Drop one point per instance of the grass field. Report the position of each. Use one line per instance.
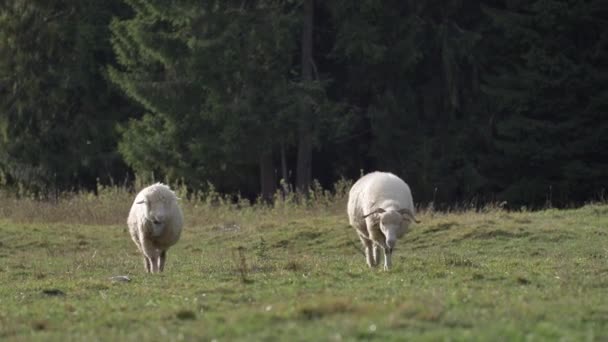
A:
(293, 273)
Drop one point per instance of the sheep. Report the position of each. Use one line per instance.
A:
(155, 224)
(380, 208)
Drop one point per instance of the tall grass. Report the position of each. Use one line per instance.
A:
(109, 205)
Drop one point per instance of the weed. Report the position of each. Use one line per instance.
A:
(292, 266)
(261, 249)
(240, 261)
(456, 261)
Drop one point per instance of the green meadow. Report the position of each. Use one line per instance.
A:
(296, 272)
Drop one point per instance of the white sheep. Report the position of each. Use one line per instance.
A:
(380, 208)
(155, 223)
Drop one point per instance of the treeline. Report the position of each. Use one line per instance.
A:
(468, 101)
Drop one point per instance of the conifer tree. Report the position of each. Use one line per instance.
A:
(57, 113)
(413, 73)
(546, 80)
(220, 88)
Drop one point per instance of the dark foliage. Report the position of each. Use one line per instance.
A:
(468, 101)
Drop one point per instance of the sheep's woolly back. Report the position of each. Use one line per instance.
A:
(158, 192)
(377, 190)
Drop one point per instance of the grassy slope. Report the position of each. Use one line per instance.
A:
(463, 276)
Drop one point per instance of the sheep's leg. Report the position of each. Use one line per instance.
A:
(151, 254)
(376, 254)
(147, 264)
(152, 261)
(367, 244)
(161, 260)
(135, 238)
(387, 259)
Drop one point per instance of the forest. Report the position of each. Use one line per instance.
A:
(468, 101)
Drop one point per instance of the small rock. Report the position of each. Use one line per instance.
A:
(121, 278)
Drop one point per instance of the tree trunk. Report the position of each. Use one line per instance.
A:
(284, 174)
(285, 181)
(267, 177)
(305, 132)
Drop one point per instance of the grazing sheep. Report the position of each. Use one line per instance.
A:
(380, 208)
(155, 223)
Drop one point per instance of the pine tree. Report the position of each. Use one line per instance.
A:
(550, 122)
(220, 86)
(413, 72)
(57, 113)
(210, 76)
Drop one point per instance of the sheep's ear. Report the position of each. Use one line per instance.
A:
(370, 214)
(140, 202)
(408, 214)
(377, 211)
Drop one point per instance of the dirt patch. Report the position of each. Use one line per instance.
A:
(548, 236)
(320, 311)
(538, 252)
(281, 244)
(40, 325)
(292, 266)
(53, 293)
(440, 227)
(523, 281)
(482, 234)
(185, 315)
(308, 235)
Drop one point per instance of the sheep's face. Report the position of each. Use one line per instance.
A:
(390, 225)
(156, 214)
